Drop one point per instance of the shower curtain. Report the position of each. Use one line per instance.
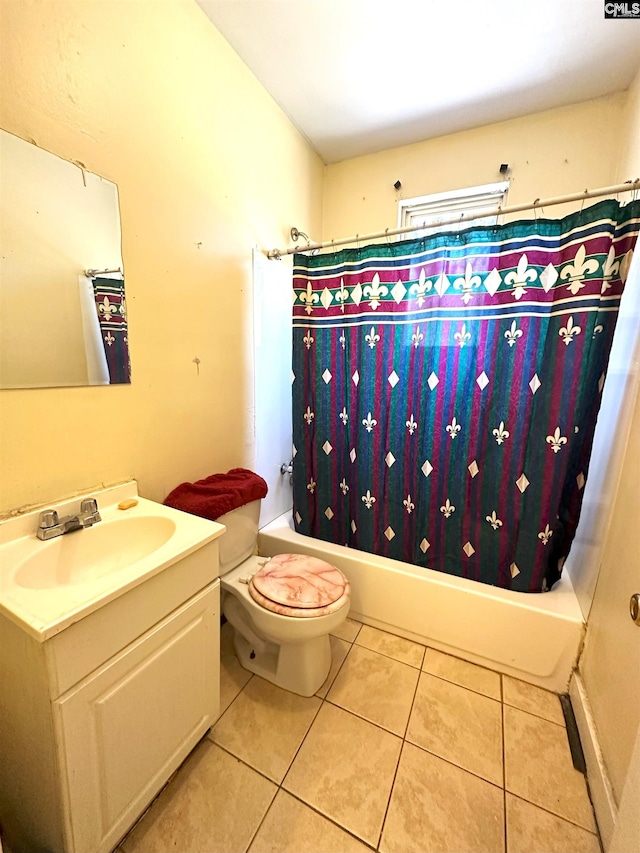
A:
(446, 390)
(112, 317)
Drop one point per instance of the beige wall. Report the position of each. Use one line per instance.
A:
(629, 164)
(150, 96)
(551, 153)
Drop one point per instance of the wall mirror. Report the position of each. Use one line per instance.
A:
(63, 315)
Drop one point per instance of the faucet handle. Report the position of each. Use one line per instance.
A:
(89, 512)
(47, 519)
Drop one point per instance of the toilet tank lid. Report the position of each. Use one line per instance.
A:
(218, 494)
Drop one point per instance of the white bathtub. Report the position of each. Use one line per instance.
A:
(534, 637)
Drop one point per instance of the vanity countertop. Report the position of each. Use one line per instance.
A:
(46, 586)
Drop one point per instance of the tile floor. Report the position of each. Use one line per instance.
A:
(403, 750)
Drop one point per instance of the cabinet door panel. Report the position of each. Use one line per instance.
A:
(128, 725)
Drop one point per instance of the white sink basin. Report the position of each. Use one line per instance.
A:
(47, 586)
(86, 555)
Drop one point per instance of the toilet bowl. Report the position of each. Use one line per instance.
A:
(282, 610)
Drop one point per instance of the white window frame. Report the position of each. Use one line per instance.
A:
(433, 209)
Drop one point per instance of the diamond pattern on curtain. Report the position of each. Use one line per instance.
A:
(446, 390)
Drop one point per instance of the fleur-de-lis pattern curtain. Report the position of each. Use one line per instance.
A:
(112, 317)
(446, 390)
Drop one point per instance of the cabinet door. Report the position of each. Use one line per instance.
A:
(126, 727)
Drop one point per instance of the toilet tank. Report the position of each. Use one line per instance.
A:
(239, 542)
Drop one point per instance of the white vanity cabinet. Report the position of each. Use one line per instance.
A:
(95, 719)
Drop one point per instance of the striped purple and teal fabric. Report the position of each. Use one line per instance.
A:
(446, 390)
(112, 318)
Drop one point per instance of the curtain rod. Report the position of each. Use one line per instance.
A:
(628, 186)
(96, 273)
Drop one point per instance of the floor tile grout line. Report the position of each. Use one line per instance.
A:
(333, 681)
(328, 817)
(246, 763)
(463, 686)
(389, 657)
(393, 784)
(453, 764)
(413, 702)
(338, 671)
(234, 699)
(338, 637)
(458, 658)
(402, 746)
(304, 737)
(537, 716)
(262, 820)
(364, 719)
(426, 647)
(554, 814)
(385, 654)
(504, 768)
(500, 676)
(424, 655)
(593, 811)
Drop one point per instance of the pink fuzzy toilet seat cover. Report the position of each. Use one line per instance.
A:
(297, 585)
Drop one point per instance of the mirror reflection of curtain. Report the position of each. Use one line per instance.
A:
(97, 368)
(112, 319)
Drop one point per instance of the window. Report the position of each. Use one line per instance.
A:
(434, 208)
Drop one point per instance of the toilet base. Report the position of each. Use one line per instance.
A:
(301, 668)
(292, 652)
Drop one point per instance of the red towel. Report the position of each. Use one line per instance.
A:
(217, 494)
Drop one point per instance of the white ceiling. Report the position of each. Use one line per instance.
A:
(358, 76)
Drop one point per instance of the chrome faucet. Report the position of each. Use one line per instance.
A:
(50, 525)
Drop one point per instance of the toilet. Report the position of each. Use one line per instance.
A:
(282, 609)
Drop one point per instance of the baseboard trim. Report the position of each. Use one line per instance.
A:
(600, 788)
